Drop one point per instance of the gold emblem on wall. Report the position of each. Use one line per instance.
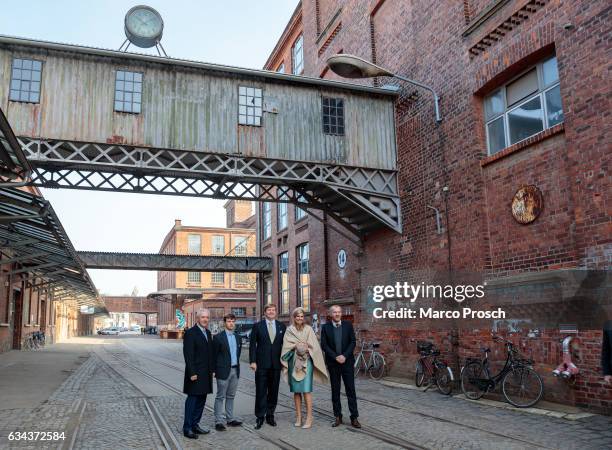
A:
(527, 204)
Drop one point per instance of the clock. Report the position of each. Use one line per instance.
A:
(143, 26)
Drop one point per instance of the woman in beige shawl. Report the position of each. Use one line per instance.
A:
(302, 360)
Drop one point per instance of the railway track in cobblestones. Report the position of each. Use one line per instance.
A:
(380, 434)
(280, 443)
(370, 431)
(161, 425)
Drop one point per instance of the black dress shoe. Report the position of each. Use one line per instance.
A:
(270, 421)
(190, 434)
(220, 427)
(337, 422)
(198, 430)
(259, 423)
(355, 423)
(234, 423)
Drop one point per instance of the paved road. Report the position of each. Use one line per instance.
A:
(126, 395)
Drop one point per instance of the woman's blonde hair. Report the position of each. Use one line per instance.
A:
(296, 311)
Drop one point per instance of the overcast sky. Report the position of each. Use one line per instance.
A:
(233, 32)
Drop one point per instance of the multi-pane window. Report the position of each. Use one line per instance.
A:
(267, 290)
(283, 282)
(241, 246)
(281, 68)
(193, 277)
(267, 220)
(218, 245)
(128, 91)
(241, 278)
(297, 54)
(525, 106)
(333, 116)
(249, 106)
(217, 278)
(239, 311)
(303, 273)
(281, 216)
(194, 244)
(25, 80)
(299, 212)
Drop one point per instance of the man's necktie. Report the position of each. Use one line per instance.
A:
(271, 331)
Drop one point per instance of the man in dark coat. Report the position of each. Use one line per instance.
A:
(606, 352)
(264, 355)
(199, 366)
(228, 346)
(338, 344)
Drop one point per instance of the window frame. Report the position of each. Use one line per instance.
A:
(132, 92)
(241, 313)
(285, 208)
(299, 213)
(238, 241)
(266, 219)
(213, 245)
(541, 92)
(246, 114)
(239, 275)
(21, 80)
(189, 236)
(191, 275)
(216, 274)
(329, 131)
(300, 39)
(299, 265)
(267, 290)
(283, 292)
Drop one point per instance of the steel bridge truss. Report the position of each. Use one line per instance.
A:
(361, 199)
(190, 263)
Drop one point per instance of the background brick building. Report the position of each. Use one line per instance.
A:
(525, 99)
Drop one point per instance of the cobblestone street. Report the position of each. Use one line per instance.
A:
(126, 394)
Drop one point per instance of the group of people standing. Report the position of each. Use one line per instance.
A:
(274, 348)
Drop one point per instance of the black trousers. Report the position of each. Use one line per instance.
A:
(194, 407)
(344, 372)
(266, 391)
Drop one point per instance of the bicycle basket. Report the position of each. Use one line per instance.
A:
(424, 346)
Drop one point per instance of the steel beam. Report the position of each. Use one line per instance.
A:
(188, 263)
(360, 198)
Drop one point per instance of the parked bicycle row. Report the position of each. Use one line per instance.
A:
(520, 384)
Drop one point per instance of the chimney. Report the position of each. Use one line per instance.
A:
(177, 223)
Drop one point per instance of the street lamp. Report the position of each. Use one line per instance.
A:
(350, 66)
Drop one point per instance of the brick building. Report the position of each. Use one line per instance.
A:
(218, 291)
(525, 100)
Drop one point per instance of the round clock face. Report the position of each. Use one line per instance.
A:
(143, 26)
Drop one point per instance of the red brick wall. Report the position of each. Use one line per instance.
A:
(425, 41)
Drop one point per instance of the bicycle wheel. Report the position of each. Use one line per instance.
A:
(522, 387)
(444, 379)
(377, 368)
(419, 374)
(473, 380)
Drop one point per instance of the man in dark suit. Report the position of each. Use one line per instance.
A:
(199, 365)
(227, 345)
(606, 351)
(338, 344)
(264, 356)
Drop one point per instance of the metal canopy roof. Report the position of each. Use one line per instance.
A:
(13, 163)
(37, 241)
(191, 263)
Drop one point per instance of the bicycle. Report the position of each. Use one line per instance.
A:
(376, 364)
(429, 369)
(34, 341)
(521, 384)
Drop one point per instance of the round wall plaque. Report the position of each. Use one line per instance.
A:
(342, 258)
(527, 204)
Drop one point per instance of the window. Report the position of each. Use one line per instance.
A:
(193, 277)
(299, 212)
(333, 116)
(218, 245)
(281, 68)
(249, 106)
(283, 282)
(303, 272)
(194, 244)
(128, 91)
(241, 245)
(217, 278)
(297, 54)
(525, 106)
(281, 212)
(267, 220)
(25, 80)
(267, 290)
(241, 278)
(239, 312)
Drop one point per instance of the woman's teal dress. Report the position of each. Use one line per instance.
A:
(299, 386)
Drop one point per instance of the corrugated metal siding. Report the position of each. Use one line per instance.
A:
(192, 110)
